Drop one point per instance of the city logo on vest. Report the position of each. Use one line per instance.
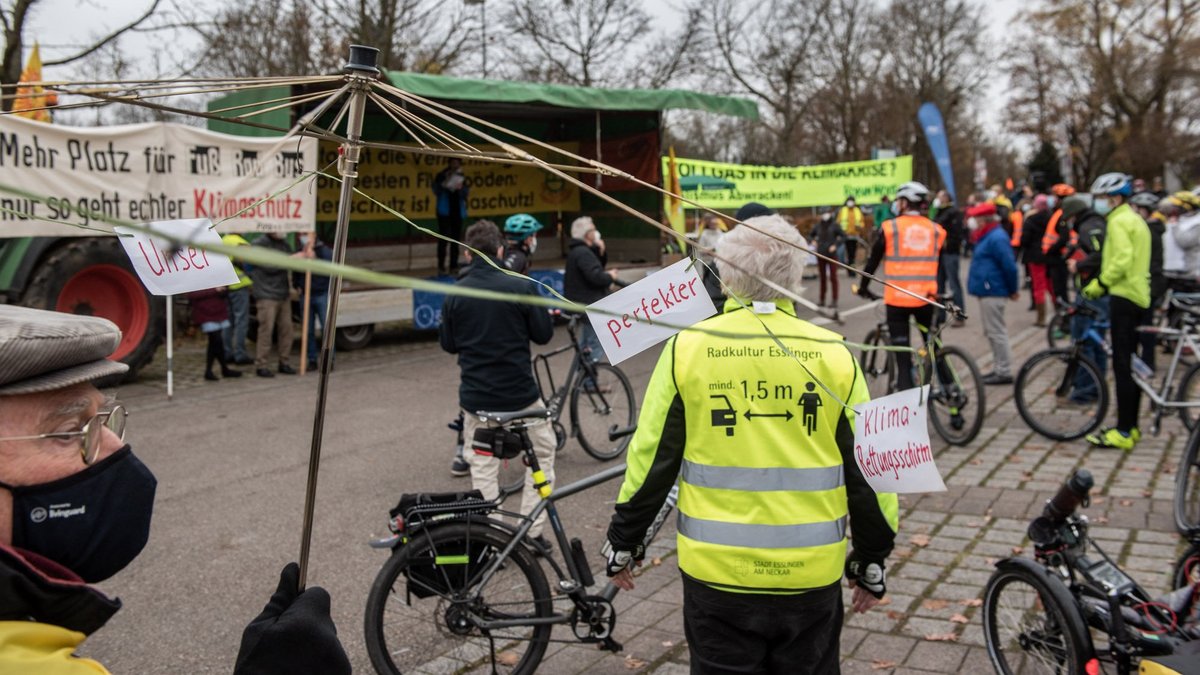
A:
(891, 443)
(38, 514)
(919, 238)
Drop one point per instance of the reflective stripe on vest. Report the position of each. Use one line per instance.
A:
(1050, 236)
(803, 535)
(914, 270)
(774, 479)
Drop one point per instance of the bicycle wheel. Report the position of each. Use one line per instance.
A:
(1050, 394)
(1058, 330)
(877, 366)
(595, 407)
(1187, 485)
(419, 608)
(957, 397)
(1189, 390)
(1187, 570)
(1030, 627)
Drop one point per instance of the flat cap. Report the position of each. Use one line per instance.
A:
(43, 351)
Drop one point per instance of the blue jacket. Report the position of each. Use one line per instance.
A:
(993, 267)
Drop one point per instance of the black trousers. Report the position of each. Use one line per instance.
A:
(449, 226)
(1125, 317)
(764, 634)
(851, 255)
(897, 321)
(1056, 269)
(1149, 341)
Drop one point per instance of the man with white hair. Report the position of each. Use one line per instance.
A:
(761, 440)
(584, 278)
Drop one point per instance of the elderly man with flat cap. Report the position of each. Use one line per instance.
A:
(76, 504)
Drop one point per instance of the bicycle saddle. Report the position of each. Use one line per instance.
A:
(506, 417)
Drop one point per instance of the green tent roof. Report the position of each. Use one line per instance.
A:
(587, 98)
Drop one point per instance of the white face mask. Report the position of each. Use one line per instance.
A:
(895, 208)
(850, 203)
(595, 236)
(972, 224)
(1101, 205)
(532, 245)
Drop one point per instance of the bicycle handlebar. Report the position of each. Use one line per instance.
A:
(1073, 493)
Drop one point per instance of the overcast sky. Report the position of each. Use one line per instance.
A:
(63, 25)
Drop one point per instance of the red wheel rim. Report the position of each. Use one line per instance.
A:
(113, 293)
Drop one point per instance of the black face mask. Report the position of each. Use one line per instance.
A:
(94, 522)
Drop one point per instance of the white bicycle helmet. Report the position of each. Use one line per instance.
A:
(1146, 200)
(914, 192)
(1113, 184)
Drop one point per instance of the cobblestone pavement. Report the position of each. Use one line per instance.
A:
(947, 546)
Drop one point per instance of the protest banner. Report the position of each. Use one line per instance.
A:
(168, 268)
(795, 186)
(403, 180)
(891, 443)
(149, 172)
(673, 295)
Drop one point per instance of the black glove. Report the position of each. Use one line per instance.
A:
(294, 633)
(617, 560)
(868, 574)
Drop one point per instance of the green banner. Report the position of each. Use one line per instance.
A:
(793, 186)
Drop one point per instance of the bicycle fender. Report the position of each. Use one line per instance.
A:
(1062, 595)
(395, 541)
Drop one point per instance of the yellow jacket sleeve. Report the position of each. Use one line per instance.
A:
(30, 647)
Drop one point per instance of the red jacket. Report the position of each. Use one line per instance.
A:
(208, 305)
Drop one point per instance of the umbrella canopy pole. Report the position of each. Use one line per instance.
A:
(360, 71)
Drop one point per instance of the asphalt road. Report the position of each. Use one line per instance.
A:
(232, 458)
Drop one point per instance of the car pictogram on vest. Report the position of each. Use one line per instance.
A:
(724, 417)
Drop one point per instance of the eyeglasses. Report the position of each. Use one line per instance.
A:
(89, 434)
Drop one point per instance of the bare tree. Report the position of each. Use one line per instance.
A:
(769, 51)
(840, 111)
(428, 36)
(589, 43)
(266, 38)
(15, 14)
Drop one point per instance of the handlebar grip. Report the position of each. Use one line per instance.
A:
(1069, 497)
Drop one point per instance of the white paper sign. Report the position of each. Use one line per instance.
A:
(891, 443)
(673, 295)
(167, 268)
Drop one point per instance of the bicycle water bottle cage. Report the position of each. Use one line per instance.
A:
(496, 442)
(426, 508)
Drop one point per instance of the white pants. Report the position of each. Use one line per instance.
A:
(485, 471)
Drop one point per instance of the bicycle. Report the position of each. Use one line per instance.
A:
(1041, 615)
(1063, 395)
(512, 473)
(957, 397)
(462, 589)
(599, 394)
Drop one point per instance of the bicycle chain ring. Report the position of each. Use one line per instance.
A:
(600, 625)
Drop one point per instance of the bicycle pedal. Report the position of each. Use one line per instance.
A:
(609, 644)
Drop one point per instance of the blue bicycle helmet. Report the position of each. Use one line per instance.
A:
(520, 226)
(1113, 184)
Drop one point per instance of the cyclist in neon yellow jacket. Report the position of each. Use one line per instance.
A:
(768, 482)
(1125, 276)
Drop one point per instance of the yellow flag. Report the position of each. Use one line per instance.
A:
(674, 206)
(33, 100)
